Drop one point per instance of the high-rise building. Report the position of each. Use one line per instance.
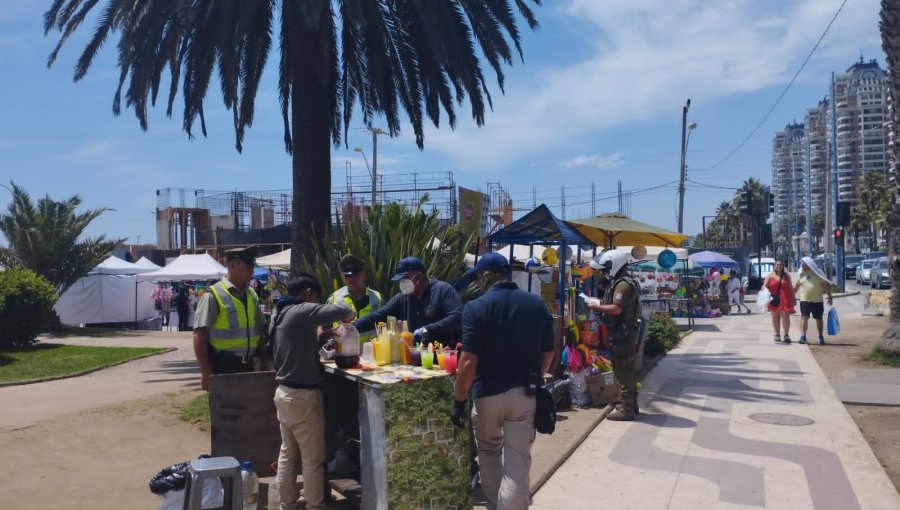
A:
(816, 139)
(861, 104)
(788, 180)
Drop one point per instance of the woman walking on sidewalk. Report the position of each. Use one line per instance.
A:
(778, 282)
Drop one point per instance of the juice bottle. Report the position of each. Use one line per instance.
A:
(384, 346)
(406, 343)
(394, 331)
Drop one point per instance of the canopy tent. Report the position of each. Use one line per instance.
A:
(115, 265)
(145, 263)
(541, 227)
(187, 268)
(708, 259)
(615, 229)
(109, 293)
(678, 268)
(281, 260)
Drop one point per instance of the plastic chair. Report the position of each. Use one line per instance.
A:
(226, 468)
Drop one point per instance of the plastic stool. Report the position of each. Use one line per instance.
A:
(226, 468)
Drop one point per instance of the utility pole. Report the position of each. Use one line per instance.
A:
(681, 180)
(562, 197)
(838, 249)
(809, 236)
(593, 200)
(375, 133)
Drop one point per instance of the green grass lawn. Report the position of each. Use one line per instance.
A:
(884, 358)
(54, 360)
(197, 412)
(67, 331)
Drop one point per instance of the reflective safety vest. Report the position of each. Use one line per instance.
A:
(342, 294)
(235, 330)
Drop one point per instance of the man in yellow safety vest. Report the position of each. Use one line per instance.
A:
(228, 322)
(354, 293)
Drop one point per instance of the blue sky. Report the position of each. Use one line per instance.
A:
(598, 99)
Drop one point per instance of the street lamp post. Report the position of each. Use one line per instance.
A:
(684, 129)
(371, 173)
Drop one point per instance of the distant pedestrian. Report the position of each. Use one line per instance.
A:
(183, 307)
(735, 291)
(778, 282)
(812, 286)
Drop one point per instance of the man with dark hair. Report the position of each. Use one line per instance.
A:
(431, 306)
(507, 343)
(228, 322)
(182, 305)
(296, 335)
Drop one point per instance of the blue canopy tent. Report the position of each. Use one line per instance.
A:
(709, 259)
(541, 227)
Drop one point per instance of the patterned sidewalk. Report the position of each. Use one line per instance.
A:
(729, 419)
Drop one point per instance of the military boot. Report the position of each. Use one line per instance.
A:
(625, 411)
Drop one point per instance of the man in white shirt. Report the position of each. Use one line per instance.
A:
(735, 291)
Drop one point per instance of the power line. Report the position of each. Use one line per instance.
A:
(781, 96)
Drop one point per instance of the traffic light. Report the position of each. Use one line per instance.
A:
(771, 197)
(839, 237)
(746, 202)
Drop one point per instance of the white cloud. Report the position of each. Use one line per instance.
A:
(647, 58)
(593, 160)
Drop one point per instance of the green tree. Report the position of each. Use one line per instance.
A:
(748, 223)
(46, 237)
(384, 57)
(874, 200)
(890, 42)
(389, 234)
(818, 230)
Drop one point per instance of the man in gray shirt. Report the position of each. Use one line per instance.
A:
(296, 337)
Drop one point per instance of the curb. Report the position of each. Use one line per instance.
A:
(85, 372)
(537, 484)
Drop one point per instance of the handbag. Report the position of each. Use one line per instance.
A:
(834, 325)
(544, 411)
(776, 298)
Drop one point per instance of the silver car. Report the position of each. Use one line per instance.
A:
(862, 273)
(880, 275)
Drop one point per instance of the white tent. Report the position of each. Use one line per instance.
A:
(115, 265)
(109, 293)
(281, 259)
(145, 263)
(187, 268)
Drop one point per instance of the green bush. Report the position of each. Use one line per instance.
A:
(662, 335)
(26, 300)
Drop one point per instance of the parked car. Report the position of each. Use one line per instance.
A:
(759, 268)
(875, 254)
(862, 274)
(851, 262)
(880, 275)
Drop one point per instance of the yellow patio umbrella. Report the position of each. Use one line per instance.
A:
(615, 229)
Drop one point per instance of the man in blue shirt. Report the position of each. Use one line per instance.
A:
(431, 306)
(507, 338)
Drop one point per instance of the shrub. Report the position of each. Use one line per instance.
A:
(662, 335)
(26, 300)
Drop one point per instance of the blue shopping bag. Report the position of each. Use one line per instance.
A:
(834, 325)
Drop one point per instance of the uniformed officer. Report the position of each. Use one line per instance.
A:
(621, 309)
(354, 293)
(228, 322)
(431, 306)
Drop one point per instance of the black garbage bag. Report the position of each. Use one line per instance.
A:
(171, 478)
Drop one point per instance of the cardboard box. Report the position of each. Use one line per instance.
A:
(603, 388)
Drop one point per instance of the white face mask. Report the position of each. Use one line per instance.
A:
(407, 286)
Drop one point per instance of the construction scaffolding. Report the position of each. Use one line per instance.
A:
(193, 220)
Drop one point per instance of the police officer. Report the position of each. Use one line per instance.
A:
(621, 309)
(507, 342)
(354, 293)
(228, 322)
(431, 306)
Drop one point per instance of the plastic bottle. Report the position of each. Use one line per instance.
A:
(249, 485)
(406, 344)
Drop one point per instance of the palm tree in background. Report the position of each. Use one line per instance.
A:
(383, 56)
(44, 237)
(874, 201)
(728, 221)
(747, 222)
(890, 42)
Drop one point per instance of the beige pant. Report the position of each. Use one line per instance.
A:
(302, 419)
(504, 432)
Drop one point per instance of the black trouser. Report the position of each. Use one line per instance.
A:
(183, 314)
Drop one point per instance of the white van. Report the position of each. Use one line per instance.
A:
(759, 268)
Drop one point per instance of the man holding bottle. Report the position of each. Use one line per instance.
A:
(430, 306)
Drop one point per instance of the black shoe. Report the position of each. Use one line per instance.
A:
(787, 339)
(777, 339)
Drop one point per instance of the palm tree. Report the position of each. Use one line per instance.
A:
(44, 238)
(890, 42)
(728, 220)
(874, 200)
(818, 227)
(748, 222)
(382, 56)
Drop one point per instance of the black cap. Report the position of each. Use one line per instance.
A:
(351, 264)
(247, 254)
(493, 262)
(407, 265)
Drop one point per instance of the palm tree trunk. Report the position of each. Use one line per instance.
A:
(890, 41)
(311, 118)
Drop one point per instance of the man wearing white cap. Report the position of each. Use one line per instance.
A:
(812, 286)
